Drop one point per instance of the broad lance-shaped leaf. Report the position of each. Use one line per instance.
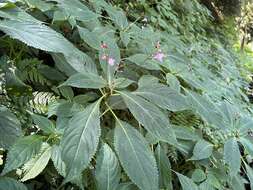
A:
(107, 171)
(85, 80)
(202, 150)
(37, 35)
(10, 128)
(232, 156)
(7, 183)
(186, 183)
(135, 156)
(150, 117)
(161, 95)
(22, 151)
(37, 164)
(80, 140)
(44, 38)
(164, 167)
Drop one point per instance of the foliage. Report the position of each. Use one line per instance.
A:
(120, 96)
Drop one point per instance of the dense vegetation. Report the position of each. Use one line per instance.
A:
(123, 95)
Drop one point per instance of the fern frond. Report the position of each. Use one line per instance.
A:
(185, 118)
(40, 101)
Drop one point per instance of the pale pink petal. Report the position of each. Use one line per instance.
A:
(159, 56)
(111, 61)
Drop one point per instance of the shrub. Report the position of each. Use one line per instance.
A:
(127, 95)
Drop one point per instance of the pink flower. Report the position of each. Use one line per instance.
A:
(103, 46)
(159, 56)
(104, 57)
(111, 61)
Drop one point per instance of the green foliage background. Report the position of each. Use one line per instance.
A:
(70, 120)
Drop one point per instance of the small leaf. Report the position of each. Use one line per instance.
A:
(37, 164)
(22, 151)
(85, 80)
(186, 183)
(135, 156)
(202, 150)
(45, 124)
(7, 183)
(232, 156)
(198, 175)
(150, 117)
(107, 171)
(80, 140)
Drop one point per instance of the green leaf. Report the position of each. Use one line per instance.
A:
(80, 140)
(249, 174)
(186, 183)
(90, 38)
(37, 35)
(62, 64)
(107, 171)
(45, 124)
(135, 156)
(247, 144)
(120, 83)
(40, 4)
(125, 38)
(67, 92)
(85, 80)
(167, 98)
(10, 128)
(127, 186)
(118, 16)
(150, 117)
(164, 167)
(17, 14)
(22, 151)
(232, 156)
(37, 164)
(202, 150)
(57, 160)
(203, 105)
(76, 9)
(237, 183)
(173, 82)
(144, 61)
(198, 175)
(206, 186)
(7, 183)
